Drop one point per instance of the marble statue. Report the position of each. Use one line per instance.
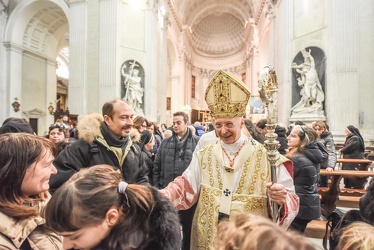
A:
(311, 91)
(134, 91)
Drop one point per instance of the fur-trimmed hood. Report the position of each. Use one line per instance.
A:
(89, 127)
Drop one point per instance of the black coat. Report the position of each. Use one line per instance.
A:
(352, 149)
(168, 164)
(148, 161)
(88, 151)
(282, 138)
(306, 175)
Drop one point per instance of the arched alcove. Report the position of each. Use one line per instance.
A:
(320, 65)
(36, 32)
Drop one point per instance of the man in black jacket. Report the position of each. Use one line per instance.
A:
(173, 157)
(104, 140)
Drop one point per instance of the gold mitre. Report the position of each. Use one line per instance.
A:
(227, 96)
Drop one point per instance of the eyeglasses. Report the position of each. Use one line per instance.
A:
(57, 125)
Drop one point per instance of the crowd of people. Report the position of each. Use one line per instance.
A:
(116, 181)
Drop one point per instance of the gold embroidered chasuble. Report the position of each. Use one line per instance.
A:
(248, 196)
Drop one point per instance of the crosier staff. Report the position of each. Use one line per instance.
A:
(268, 89)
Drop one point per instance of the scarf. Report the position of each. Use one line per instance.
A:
(112, 140)
(180, 144)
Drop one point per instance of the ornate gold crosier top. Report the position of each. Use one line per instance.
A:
(226, 95)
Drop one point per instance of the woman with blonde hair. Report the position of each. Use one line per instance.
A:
(253, 232)
(357, 236)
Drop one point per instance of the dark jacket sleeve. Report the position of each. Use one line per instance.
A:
(332, 154)
(69, 161)
(157, 167)
(143, 170)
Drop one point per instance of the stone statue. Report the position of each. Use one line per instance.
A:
(134, 91)
(311, 92)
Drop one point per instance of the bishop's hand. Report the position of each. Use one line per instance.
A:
(277, 192)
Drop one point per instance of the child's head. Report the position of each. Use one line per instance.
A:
(253, 232)
(95, 207)
(56, 132)
(357, 236)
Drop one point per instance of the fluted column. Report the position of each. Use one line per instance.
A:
(342, 74)
(109, 73)
(163, 77)
(3, 65)
(51, 90)
(283, 59)
(176, 94)
(14, 78)
(78, 56)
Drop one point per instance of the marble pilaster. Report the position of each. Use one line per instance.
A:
(342, 73)
(50, 90)
(109, 76)
(78, 56)
(13, 77)
(3, 66)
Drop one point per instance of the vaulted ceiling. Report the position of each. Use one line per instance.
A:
(217, 27)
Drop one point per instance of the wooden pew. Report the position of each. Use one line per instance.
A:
(363, 163)
(343, 197)
(330, 196)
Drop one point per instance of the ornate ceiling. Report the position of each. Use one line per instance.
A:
(217, 27)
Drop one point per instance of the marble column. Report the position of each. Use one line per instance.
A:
(342, 73)
(161, 112)
(283, 59)
(109, 71)
(78, 57)
(51, 90)
(13, 78)
(3, 65)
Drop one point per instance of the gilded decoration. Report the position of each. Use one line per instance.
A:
(226, 95)
(247, 197)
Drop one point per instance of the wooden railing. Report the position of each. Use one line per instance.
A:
(363, 163)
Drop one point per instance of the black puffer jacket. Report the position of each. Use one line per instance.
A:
(92, 150)
(306, 175)
(168, 163)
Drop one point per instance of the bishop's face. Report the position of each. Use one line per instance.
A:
(229, 129)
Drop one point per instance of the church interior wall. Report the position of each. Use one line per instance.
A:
(34, 83)
(36, 48)
(365, 35)
(170, 61)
